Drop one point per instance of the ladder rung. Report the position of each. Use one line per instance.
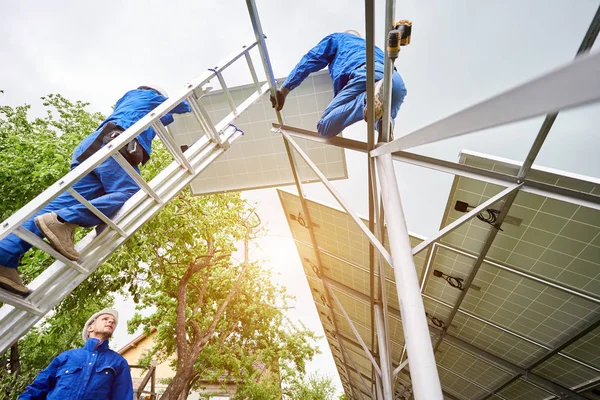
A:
(252, 70)
(34, 240)
(137, 177)
(226, 91)
(58, 280)
(19, 302)
(204, 119)
(170, 144)
(96, 212)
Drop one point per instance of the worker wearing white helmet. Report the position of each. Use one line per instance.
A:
(91, 372)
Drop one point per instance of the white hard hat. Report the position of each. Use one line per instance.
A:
(353, 32)
(155, 88)
(111, 311)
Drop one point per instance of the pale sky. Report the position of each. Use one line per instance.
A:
(462, 52)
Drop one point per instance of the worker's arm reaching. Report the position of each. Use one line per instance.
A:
(316, 59)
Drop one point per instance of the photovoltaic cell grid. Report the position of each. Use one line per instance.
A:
(552, 240)
(258, 159)
(506, 314)
(343, 250)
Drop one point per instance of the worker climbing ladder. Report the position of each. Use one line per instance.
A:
(18, 314)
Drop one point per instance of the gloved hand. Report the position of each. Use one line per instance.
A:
(281, 95)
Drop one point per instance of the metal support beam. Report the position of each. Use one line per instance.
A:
(497, 178)
(463, 219)
(376, 243)
(576, 82)
(556, 351)
(358, 337)
(371, 178)
(423, 368)
(386, 376)
(260, 40)
(528, 376)
(400, 367)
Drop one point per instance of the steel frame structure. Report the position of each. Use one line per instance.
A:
(516, 104)
(528, 100)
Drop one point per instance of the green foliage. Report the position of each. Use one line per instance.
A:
(34, 153)
(315, 387)
(184, 257)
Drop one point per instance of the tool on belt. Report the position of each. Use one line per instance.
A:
(133, 152)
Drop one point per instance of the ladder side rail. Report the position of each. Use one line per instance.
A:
(17, 322)
(26, 212)
(14, 322)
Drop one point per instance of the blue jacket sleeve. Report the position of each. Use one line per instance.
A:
(122, 387)
(44, 382)
(316, 59)
(180, 108)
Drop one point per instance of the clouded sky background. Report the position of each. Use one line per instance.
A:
(461, 52)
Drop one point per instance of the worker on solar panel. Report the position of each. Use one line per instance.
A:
(345, 55)
(107, 187)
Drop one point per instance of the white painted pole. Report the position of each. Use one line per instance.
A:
(423, 370)
(386, 377)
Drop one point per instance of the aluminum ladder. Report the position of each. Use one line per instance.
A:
(18, 314)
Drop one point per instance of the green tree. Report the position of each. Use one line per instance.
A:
(315, 387)
(34, 153)
(221, 317)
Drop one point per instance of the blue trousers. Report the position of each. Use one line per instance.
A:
(347, 107)
(107, 187)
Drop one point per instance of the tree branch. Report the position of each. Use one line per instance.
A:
(211, 329)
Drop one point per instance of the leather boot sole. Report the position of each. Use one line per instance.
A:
(54, 240)
(13, 287)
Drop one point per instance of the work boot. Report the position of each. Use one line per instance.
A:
(60, 234)
(378, 102)
(11, 281)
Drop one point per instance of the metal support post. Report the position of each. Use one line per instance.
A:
(388, 70)
(264, 54)
(386, 376)
(423, 371)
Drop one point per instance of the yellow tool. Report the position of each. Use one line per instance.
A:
(404, 26)
(399, 36)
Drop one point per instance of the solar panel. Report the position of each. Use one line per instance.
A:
(536, 290)
(258, 159)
